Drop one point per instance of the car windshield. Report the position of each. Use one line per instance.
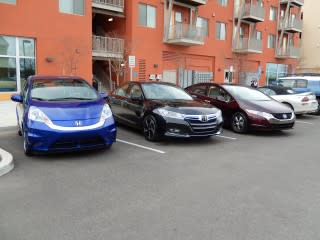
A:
(164, 92)
(245, 93)
(62, 90)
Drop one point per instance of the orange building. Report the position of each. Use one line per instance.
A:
(181, 41)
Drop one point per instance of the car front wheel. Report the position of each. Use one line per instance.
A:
(150, 128)
(239, 122)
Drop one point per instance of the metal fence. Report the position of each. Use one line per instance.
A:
(107, 45)
(186, 31)
(116, 3)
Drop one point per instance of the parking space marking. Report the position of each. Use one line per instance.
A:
(232, 138)
(140, 146)
(304, 122)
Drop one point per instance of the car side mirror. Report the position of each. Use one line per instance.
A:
(17, 98)
(103, 95)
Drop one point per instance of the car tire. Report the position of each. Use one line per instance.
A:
(150, 128)
(239, 122)
(26, 147)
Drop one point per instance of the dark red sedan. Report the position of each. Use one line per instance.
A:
(244, 108)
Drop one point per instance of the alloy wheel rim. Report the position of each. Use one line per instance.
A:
(238, 122)
(150, 128)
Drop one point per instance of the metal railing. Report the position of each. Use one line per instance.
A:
(247, 44)
(288, 52)
(299, 2)
(290, 23)
(253, 10)
(186, 32)
(107, 45)
(114, 3)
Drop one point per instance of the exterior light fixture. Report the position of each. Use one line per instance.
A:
(110, 19)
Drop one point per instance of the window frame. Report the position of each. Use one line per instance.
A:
(146, 15)
(18, 58)
(273, 15)
(7, 2)
(73, 13)
(225, 31)
(273, 45)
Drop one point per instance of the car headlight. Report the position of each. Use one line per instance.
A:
(219, 116)
(35, 114)
(268, 116)
(105, 113)
(165, 113)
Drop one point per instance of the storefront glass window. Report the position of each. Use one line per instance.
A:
(17, 62)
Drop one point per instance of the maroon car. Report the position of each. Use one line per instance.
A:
(244, 108)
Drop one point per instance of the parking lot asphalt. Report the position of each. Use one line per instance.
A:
(256, 186)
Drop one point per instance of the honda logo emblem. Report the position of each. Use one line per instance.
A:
(77, 123)
(284, 116)
(204, 118)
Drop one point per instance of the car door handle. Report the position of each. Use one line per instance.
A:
(207, 101)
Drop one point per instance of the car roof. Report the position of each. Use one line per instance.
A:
(52, 77)
(316, 78)
(150, 82)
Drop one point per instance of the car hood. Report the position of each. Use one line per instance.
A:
(189, 107)
(68, 111)
(270, 106)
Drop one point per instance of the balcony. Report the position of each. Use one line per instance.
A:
(186, 35)
(252, 12)
(298, 3)
(106, 47)
(107, 6)
(193, 2)
(288, 52)
(291, 25)
(246, 45)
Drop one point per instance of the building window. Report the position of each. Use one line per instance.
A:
(8, 1)
(223, 3)
(72, 6)
(273, 14)
(17, 62)
(203, 24)
(221, 29)
(147, 15)
(271, 41)
(258, 35)
(274, 71)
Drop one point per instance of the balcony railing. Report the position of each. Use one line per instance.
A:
(288, 52)
(193, 2)
(247, 45)
(186, 34)
(298, 3)
(291, 25)
(107, 47)
(253, 12)
(113, 5)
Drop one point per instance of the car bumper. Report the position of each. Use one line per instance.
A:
(185, 129)
(309, 107)
(259, 123)
(43, 139)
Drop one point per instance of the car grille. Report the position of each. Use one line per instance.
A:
(85, 142)
(199, 126)
(282, 115)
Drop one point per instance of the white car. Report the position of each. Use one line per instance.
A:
(301, 103)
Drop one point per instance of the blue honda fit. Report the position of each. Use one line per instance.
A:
(63, 113)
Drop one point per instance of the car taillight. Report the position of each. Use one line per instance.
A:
(305, 99)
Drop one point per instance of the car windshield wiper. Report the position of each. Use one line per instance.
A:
(39, 99)
(69, 98)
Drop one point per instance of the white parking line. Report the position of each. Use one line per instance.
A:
(304, 122)
(140, 146)
(226, 137)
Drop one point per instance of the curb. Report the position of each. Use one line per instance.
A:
(6, 162)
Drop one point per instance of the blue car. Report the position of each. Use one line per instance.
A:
(60, 114)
